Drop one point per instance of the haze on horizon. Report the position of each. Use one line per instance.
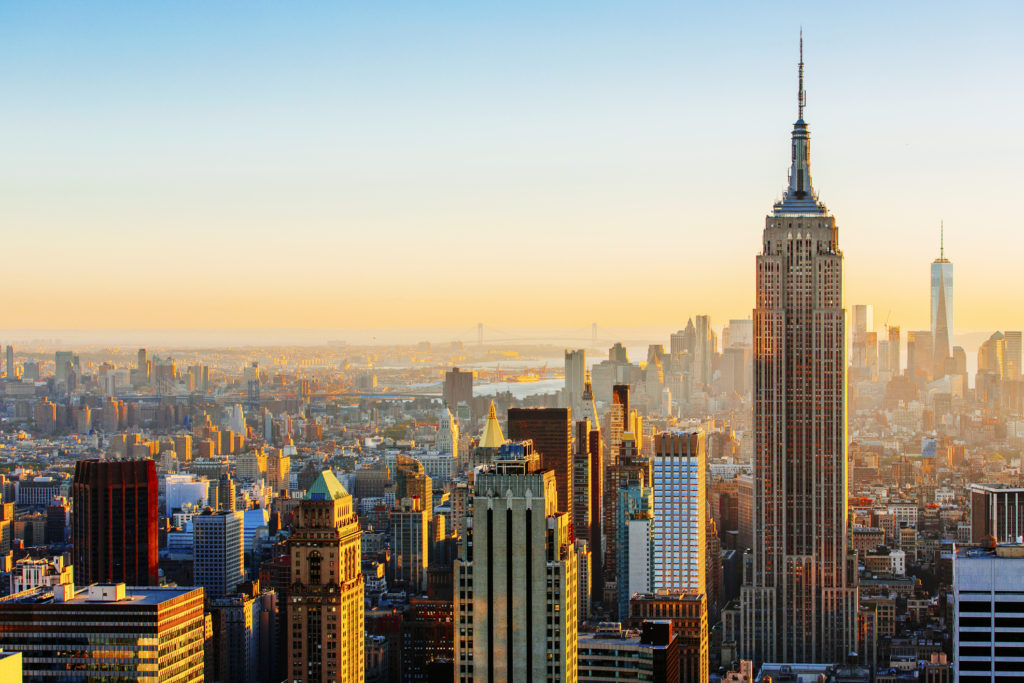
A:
(256, 165)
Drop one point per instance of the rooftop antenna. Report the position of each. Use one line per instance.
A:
(942, 241)
(801, 95)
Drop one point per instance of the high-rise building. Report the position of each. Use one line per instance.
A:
(550, 430)
(618, 420)
(988, 599)
(635, 542)
(920, 354)
(688, 613)
(628, 466)
(225, 492)
(997, 510)
(106, 632)
(895, 351)
(447, 439)
(411, 481)
(941, 308)
(458, 388)
(582, 481)
(11, 374)
(114, 522)
(516, 605)
(575, 372)
(799, 599)
(324, 631)
(863, 320)
(409, 534)
(588, 409)
(1012, 354)
(679, 513)
(611, 654)
(704, 352)
(217, 552)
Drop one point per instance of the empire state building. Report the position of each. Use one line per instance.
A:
(799, 599)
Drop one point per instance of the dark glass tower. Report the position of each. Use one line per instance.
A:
(114, 522)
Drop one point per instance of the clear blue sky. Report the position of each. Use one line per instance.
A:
(389, 164)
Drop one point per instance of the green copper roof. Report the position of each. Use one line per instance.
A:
(326, 487)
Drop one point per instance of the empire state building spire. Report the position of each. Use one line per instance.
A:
(799, 601)
(800, 198)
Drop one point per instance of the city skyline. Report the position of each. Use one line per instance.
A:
(296, 176)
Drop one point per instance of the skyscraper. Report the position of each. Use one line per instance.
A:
(799, 602)
(447, 440)
(941, 308)
(325, 606)
(217, 552)
(551, 433)
(458, 388)
(114, 523)
(679, 513)
(517, 577)
(409, 524)
(1012, 354)
(575, 371)
(703, 352)
(106, 632)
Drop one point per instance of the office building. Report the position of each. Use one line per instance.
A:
(35, 572)
(895, 351)
(428, 637)
(225, 497)
(679, 513)
(11, 373)
(324, 631)
(114, 522)
(997, 510)
(184, 489)
(941, 308)
(246, 644)
(217, 552)
(863, 320)
(612, 654)
(628, 466)
(447, 440)
(575, 374)
(635, 540)
(409, 534)
(411, 481)
(106, 632)
(920, 354)
(704, 349)
(551, 432)
(688, 614)
(516, 604)
(988, 600)
(458, 388)
(1012, 354)
(799, 603)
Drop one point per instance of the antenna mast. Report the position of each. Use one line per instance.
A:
(801, 95)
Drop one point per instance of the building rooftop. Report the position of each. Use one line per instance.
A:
(90, 595)
(492, 438)
(326, 487)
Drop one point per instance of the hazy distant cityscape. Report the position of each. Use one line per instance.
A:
(826, 486)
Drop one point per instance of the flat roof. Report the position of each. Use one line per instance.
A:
(134, 596)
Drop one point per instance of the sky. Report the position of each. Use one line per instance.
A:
(196, 165)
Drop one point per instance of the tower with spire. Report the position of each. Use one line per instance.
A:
(942, 306)
(799, 598)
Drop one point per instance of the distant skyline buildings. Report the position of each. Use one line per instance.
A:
(941, 307)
